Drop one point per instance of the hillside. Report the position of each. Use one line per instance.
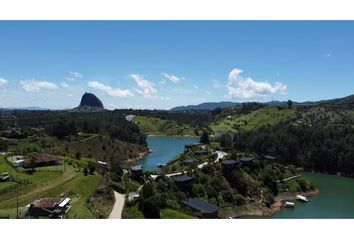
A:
(266, 115)
(158, 126)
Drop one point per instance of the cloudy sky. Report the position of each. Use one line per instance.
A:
(165, 64)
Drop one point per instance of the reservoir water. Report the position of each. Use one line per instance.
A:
(335, 200)
(165, 149)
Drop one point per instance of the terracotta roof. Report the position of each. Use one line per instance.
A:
(46, 202)
(42, 158)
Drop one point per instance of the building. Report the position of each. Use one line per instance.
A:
(49, 207)
(136, 170)
(229, 164)
(188, 161)
(184, 180)
(41, 160)
(5, 177)
(246, 160)
(190, 146)
(206, 209)
(201, 152)
(270, 158)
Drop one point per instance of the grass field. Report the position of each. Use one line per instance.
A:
(71, 184)
(157, 126)
(168, 213)
(263, 116)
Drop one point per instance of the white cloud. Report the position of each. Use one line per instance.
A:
(326, 55)
(173, 78)
(208, 93)
(73, 76)
(165, 98)
(146, 88)
(114, 92)
(217, 84)
(36, 86)
(247, 88)
(3, 82)
(64, 85)
(195, 86)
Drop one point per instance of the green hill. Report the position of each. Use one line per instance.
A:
(158, 126)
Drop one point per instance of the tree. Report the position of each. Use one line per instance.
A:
(78, 155)
(3, 145)
(85, 171)
(148, 190)
(151, 209)
(204, 138)
(289, 103)
(91, 167)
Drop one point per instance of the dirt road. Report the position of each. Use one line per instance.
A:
(118, 206)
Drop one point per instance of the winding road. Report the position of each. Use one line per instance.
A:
(118, 206)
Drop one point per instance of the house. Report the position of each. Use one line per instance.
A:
(184, 180)
(188, 161)
(206, 209)
(201, 152)
(5, 177)
(133, 197)
(246, 160)
(189, 146)
(136, 170)
(49, 207)
(269, 157)
(41, 160)
(229, 164)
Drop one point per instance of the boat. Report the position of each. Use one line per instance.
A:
(302, 198)
(289, 204)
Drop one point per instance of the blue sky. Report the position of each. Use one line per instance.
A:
(162, 64)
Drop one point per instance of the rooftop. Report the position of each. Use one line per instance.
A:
(200, 205)
(42, 158)
(136, 168)
(246, 159)
(230, 162)
(46, 202)
(269, 157)
(184, 178)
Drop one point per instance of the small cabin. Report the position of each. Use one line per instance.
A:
(4, 178)
(230, 164)
(136, 170)
(192, 145)
(246, 160)
(41, 160)
(188, 161)
(184, 180)
(206, 209)
(49, 207)
(201, 152)
(270, 158)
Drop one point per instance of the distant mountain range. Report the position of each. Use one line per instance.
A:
(214, 105)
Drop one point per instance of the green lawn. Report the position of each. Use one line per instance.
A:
(49, 184)
(263, 116)
(4, 185)
(157, 126)
(168, 213)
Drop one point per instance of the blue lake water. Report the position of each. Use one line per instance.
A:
(165, 149)
(335, 199)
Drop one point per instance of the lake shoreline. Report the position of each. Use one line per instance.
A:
(277, 206)
(161, 135)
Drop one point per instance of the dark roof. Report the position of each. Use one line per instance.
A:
(42, 158)
(183, 178)
(201, 152)
(46, 202)
(229, 162)
(269, 157)
(200, 205)
(246, 159)
(192, 144)
(189, 161)
(136, 168)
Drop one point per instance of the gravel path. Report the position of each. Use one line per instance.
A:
(118, 206)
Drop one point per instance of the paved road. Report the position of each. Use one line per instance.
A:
(118, 206)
